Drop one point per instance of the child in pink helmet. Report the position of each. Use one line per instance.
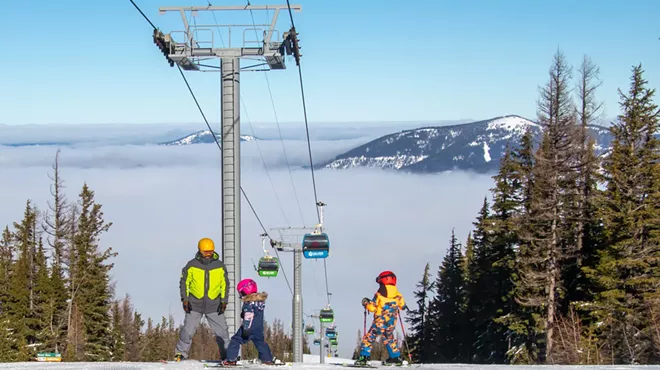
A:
(252, 328)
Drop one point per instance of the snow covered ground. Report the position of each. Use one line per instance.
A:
(310, 362)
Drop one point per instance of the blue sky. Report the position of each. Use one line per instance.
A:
(94, 62)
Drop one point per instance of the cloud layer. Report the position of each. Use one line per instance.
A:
(162, 200)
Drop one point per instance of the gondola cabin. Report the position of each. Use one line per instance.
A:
(334, 342)
(327, 315)
(331, 333)
(317, 342)
(309, 330)
(316, 245)
(268, 266)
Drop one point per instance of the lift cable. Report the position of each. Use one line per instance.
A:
(207, 123)
(309, 149)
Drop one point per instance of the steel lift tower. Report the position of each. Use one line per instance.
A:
(187, 53)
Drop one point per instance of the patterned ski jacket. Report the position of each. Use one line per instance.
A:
(386, 301)
(252, 312)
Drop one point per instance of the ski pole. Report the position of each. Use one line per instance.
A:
(403, 330)
(364, 329)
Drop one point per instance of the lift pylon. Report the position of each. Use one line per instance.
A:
(188, 48)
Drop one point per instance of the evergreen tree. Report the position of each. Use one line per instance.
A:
(56, 225)
(94, 297)
(43, 311)
(419, 337)
(446, 310)
(628, 272)
(476, 283)
(554, 184)
(118, 344)
(498, 257)
(20, 305)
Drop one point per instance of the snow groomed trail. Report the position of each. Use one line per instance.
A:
(311, 362)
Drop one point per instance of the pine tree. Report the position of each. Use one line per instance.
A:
(118, 344)
(476, 283)
(521, 336)
(420, 329)
(20, 304)
(553, 186)
(94, 297)
(498, 262)
(628, 272)
(6, 264)
(43, 310)
(446, 310)
(56, 225)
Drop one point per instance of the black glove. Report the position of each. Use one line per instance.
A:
(222, 307)
(187, 306)
(365, 301)
(405, 308)
(245, 333)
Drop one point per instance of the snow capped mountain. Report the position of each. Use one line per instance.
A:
(202, 137)
(475, 146)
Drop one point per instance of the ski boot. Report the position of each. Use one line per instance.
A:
(274, 361)
(363, 361)
(229, 363)
(178, 357)
(393, 361)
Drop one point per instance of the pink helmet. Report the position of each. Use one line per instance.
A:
(246, 286)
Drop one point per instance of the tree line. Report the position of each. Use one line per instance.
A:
(562, 265)
(56, 294)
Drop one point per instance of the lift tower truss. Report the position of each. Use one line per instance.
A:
(188, 53)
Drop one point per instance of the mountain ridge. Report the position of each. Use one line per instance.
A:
(475, 146)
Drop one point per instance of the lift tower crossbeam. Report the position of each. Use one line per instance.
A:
(188, 53)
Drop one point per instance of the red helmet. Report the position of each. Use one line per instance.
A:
(386, 278)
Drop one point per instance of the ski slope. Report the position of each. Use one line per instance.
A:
(311, 362)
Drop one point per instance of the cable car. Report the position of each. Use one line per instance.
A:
(309, 330)
(331, 333)
(317, 342)
(316, 245)
(333, 342)
(327, 315)
(268, 266)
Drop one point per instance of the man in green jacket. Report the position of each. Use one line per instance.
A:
(204, 288)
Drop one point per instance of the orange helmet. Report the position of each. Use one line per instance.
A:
(386, 278)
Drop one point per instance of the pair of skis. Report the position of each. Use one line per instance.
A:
(218, 363)
(370, 366)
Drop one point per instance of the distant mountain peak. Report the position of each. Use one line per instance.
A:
(475, 146)
(202, 137)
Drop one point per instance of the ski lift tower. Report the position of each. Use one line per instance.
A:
(196, 44)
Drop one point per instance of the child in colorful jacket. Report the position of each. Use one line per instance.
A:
(385, 306)
(252, 327)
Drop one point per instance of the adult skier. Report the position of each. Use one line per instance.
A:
(204, 288)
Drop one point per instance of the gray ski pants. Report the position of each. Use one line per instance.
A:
(218, 325)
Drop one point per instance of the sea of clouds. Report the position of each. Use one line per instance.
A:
(163, 199)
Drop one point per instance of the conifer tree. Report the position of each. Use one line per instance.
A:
(628, 271)
(580, 222)
(420, 329)
(20, 305)
(94, 297)
(553, 176)
(498, 262)
(56, 225)
(446, 310)
(476, 283)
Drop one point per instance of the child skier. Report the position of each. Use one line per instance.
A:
(252, 328)
(385, 306)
